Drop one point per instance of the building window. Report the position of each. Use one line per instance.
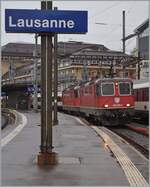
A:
(61, 65)
(126, 74)
(66, 64)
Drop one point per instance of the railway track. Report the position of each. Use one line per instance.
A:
(139, 128)
(142, 121)
(7, 119)
(138, 140)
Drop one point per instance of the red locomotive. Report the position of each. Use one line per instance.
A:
(109, 101)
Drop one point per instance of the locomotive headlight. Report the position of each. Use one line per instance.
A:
(106, 106)
(128, 105)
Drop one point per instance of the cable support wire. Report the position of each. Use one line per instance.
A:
(104, 10)
(112, 24)
(130, 41)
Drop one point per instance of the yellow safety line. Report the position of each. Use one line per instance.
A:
(133, 175)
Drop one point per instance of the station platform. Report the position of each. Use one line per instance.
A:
(84, 160)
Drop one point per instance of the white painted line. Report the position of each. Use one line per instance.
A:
(133, 175)
(80, 121)
(16, 131)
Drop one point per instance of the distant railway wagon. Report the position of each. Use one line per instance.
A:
(59, 100)
(141, 93)
(108, 101)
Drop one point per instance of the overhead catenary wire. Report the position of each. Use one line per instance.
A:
(112, 28)
(130, 41)
(112, 24)
(105, 9)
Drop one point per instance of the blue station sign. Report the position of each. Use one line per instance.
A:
(45, 21)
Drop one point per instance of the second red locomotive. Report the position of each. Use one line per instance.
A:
(109, 101)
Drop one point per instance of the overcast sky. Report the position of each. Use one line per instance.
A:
(108, 12)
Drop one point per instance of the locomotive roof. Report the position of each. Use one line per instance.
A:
(95, 81)
(141, 81)
(141, 84)
(112, 79)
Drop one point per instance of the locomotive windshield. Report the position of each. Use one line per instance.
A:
(107, 89)
(124, 88)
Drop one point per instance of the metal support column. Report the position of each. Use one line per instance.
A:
(44, 98)
(55, 78)
(46, 156)
(49, 109)
(123, 39)
(138, 38)
(43, 90)
(35, 82)
(111, 70)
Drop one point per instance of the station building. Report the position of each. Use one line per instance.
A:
(15, 55)
(94, 62)
(76, 61)
(143, 46)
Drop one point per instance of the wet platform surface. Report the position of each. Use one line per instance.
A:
(83, 158)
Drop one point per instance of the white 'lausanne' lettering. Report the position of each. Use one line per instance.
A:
(10, 22)
(37, 23)
(20, 23)
(28, 23)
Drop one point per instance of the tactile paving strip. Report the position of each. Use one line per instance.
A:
(133, 175)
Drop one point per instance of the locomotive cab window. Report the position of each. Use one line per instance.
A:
(107, 89)
(124, 88)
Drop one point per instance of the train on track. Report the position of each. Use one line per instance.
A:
(141, 93)
(107, 101)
